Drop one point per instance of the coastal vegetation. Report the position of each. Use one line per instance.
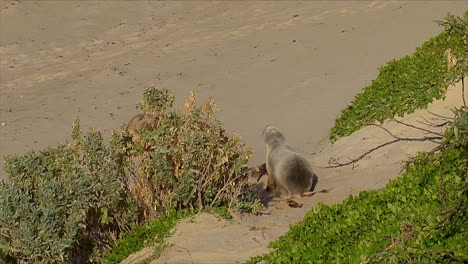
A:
(420, 217)
(83, 200)
(409, 83)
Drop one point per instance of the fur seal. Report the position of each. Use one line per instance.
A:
(142, 121)
(286, 168)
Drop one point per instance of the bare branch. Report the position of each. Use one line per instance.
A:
(383, 128)
(431, 124)
(458, 203)
(440, 116)
(397, 139)
(463, 90)
(262, 171)
(418, 128)
(224, 187)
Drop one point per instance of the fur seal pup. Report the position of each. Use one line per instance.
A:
(142, 121)
(285, 167)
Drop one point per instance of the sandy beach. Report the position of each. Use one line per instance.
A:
(290, 64)
(206, 238)
(294, 65)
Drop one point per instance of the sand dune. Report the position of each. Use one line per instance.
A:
(291, 64)
(207, 239)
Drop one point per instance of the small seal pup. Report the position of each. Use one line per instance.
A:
(285, 167)
(142, 121)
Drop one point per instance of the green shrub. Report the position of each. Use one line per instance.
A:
(188, 162)
(67, 204)
(61, 203)
(411, 82)
(6, 259)
(420, 217)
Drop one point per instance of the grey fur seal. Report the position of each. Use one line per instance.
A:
(285, 167)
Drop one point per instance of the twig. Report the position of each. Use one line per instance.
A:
(187, 252)
(261, 171)
(256, 228)
(390, 247)
(418, 128)
(441, 116)
(378, 147)
(384, 129)
(407, 139)
(457, 205)
(463, 90)
(445, 252)
(396, 139)
(224, 187)
(431, 124)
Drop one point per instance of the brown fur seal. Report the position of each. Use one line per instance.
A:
(286, 168)
(142, 121)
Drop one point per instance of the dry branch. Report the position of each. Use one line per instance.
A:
(439, 116)
(396, 139)
(431, 124)
(337, 165)
(463, 90)
(419, 128)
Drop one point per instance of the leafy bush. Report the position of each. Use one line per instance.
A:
(411, 82)
(61, 203)
(420, 217)
(188, 161)
(67, 204)
(6, 259)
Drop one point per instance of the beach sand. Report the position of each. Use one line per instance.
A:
(294, 65)
(205, 238)
(290, 64)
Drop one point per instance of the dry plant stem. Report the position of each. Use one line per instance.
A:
(446, 252)
(224, 187)
(419, 128)
(378, 147)
(463, 90)
(431, 124)
(390, 247)
(188, 252)
(457, 205)
(261, 171)
(396, 139)
(440, 116)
